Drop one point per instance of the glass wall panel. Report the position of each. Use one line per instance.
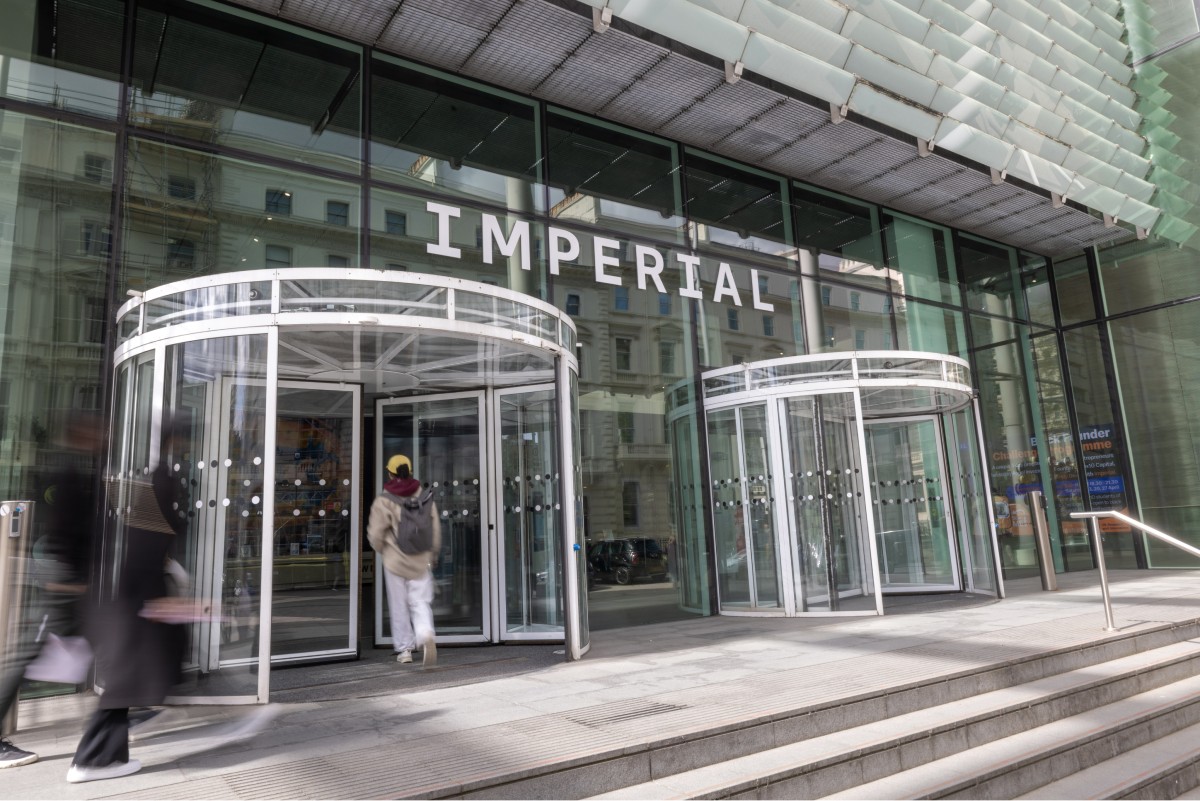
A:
(444, 134)
(851, 319)
(920, 255)
(828, 223)
(971, 497)
(1101, 444)
(733, 208)
(634, 340)
(190, 214)
(1069, 536)
(63, 53)
(688, 551)
(1073, 286)
(55, 241)
(1035, 279)
(1010, 439)
(226, 77)
(613, 178)
(990, 275)
(491, 247)
(1158, 371)
(1137, 274)
(921, 326)
(748, 314)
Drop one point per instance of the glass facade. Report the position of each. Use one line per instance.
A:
(303, 150)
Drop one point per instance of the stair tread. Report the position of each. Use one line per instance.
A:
(747, 771)
(943, 775)
(1127, 770)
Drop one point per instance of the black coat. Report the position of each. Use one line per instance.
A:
(137, 659)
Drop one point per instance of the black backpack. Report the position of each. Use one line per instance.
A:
(414, 532)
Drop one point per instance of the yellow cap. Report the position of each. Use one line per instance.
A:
(396, 462)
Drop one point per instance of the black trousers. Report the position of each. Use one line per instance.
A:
(105, 741)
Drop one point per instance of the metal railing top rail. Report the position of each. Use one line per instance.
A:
(1093, 519)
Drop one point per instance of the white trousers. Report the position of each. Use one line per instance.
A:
(409, 608)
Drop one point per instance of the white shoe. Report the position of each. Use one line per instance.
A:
(404, 657)
(430, 651)
(77, 774)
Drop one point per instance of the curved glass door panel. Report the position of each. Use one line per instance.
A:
(530, 539)
(314, 597)
(760, 505)
(825, 488)
(913, 530)
(197, 412)
(972, 497)
(443, 438)
(729, 522)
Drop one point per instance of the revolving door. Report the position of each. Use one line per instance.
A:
(837, 480)
(250, 393)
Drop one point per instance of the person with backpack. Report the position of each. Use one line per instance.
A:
(405, 532)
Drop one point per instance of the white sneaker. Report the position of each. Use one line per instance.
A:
(430, 651)
(404, 657)
(77, 774)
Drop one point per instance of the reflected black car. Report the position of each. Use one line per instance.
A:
(625, 560)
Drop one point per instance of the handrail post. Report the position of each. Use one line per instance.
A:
(1098, 549)
(1041, 530)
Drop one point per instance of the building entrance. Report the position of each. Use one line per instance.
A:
(837, 480)
(241, 407)
(491, 459)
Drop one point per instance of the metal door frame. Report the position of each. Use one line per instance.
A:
(496, 533)
(486, 512)
(356, 516)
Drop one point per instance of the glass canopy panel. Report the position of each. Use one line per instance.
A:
(455, 136)
(208, 303)
(346, 295)
(613, 178)
(733, 208)
(222, 76)
(63, 53)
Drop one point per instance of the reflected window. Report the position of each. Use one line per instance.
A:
(826, 295)
(181, 254)
(278, 256)
(97, 169)
(629, 502)
(624, 354)
(181, 187)
(768, 325)
(666, 358)
(855, 301)
(664, 303)
(93, 322)
(625, 427)
(278, 202)
(337, 212)
(395, 223)
(94, 238)
(337, 261)
(572, 304)
(621, 298)
(732, 319)
(860, 339)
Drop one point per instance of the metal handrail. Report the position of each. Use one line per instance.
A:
(1093, 519)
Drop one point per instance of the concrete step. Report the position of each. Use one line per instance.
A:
(832, 762)
(673, 738)
(1168, 767)
(1021, 763)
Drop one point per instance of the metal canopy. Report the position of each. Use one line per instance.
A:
(550, 51)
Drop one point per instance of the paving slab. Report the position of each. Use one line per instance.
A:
(366, 729)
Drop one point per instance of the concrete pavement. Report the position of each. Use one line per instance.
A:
(375, 729)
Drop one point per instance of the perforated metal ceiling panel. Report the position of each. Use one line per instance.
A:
(548, 49)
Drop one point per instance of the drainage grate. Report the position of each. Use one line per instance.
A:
(628, 710)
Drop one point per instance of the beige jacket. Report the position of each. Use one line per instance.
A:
(385, 516)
